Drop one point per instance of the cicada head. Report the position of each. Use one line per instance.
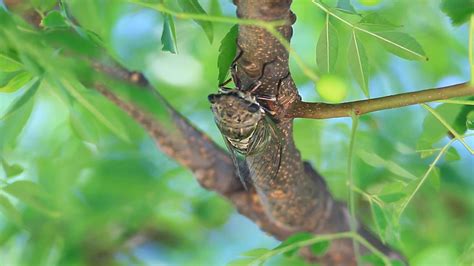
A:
(237, 113)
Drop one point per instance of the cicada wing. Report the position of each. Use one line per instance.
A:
(235, 161)
(277, 137)
(264, 152)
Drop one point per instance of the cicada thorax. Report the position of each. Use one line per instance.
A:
(238, 116)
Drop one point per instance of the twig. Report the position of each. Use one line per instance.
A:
(324, 110)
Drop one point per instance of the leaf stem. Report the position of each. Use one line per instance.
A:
(432, 165)
(471, 48)
(422, 180)
(352, 207)
(321, 238)
(448, 126)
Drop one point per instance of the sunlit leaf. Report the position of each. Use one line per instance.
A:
(374, 22)
(392, 192)
(168, 37)
(22, 99)
(375, 160)
(31, 194)
(470, 120)
(391, 197)
(346, 6)
(380, 219)
(9, 210)
(434, 131)
(327, 48)
(78, 92)
(193, 6)
(452, 155)
(358, 63)
(54, 19)
(8, 64)
(400, 44)
(17, 82)
(435, 178)
(11, 170)
(242, 262)
(227, 51)
(255, 252)
(79, 120)
(215, 8)
(458, 10)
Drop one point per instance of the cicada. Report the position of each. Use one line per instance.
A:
(247, 128)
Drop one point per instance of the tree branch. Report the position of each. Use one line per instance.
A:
(301, 109)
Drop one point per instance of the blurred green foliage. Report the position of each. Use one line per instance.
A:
(82, 183)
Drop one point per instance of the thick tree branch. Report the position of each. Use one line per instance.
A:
(301, 109)
(297, 197)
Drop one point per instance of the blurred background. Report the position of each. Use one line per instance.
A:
(77, 189)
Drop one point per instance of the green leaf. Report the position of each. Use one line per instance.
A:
(380, 219)
(327, 48)
(434, 131)
(31, 194)
(346, 6)
(391, 197)
(435, 178)
(376, 161)
(8, 64)
(54, 19)
(470, 120)
(400, 44)
(168, 37)
(23, 99)
(215, 8)
(17, 82)
(11, 170)
(458, 10)
(83, 97)
(397, 263)
(227, 51)
(375, 22)
(298, 237)
(372, 260)
(392, 192)
(79, 120)
(319, 249)
(242, 262)
(9, 210)
(358, 63)
(193, 6)
(452, 155)
(256, 252)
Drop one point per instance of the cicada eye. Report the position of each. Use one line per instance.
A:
(253, 108)
(213, 97)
